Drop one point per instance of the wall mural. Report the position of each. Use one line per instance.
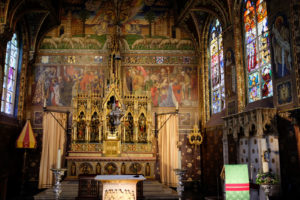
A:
(58, 83)
(281, 47)
(168, 85)
(88, 26)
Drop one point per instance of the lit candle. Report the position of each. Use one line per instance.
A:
(179, 159)
(176, 105)
(45, 102)
(58, 163)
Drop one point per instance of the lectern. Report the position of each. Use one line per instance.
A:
(119, 186)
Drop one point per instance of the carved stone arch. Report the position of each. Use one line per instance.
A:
(12, 12)
(222, 18)
(142, 111)
(129, 110)
(81, 109)
(95, 110)
(205, 69)
(241, 132)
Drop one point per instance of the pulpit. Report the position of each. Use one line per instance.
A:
(119, 186)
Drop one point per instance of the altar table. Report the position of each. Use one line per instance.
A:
(119, 187)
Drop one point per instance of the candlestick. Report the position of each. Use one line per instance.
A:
(58, 163)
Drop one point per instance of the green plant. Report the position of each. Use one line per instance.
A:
(266, 178)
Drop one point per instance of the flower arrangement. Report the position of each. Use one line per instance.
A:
(266, 178)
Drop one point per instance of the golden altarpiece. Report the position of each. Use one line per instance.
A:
(111, 130)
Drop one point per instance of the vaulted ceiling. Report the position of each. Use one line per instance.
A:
(43, 15)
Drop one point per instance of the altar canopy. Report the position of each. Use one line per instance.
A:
(54, 138)
(168, 151)
(237, 182)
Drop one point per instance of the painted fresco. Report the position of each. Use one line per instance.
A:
(57, 84)
(284, 93)
(281, 47)
(167, 85)
(89, 25)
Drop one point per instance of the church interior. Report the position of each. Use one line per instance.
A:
(171, 90)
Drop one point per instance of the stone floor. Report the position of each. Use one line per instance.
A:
(153, 190)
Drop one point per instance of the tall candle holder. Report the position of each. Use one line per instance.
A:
(58, 173)
(180, 186)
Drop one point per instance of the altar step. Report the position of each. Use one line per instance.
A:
(152, 190)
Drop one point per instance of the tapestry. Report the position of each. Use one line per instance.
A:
(237, 182)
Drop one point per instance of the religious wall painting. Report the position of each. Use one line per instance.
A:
(92, 22)
(230, 73)
(38, 118)
(184, 119)
(284, 93)
(57, 84)
(168, 85)
(282, 58)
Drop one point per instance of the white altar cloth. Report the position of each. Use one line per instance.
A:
(119, 187)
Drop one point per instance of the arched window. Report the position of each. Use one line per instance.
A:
(258, 60)
(216, 68)
(10, 76)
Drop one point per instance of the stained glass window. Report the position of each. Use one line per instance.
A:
(216, 67)
(10, 75)
(257, 44)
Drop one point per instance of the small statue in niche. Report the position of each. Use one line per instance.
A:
(95, 127)
(73, 169)
(142, 128)
(147, 170)
(81, 126)
(98, 169)
(123, 168)
(129, 128)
